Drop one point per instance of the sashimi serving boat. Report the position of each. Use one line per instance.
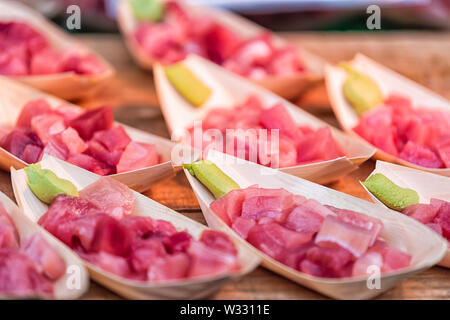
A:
(15, 95)
(428, 186)
(70, 285)
(288, 86)
(185, 288)
(399, 231)
(228, 90)
(67, 85)
(405, 134)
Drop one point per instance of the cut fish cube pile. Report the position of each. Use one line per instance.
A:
(435, 215)
(88, 139)
(28, 269)
(100, 226)
(301, 233)
(24, 51)
(241, 130)
(417, 135)
(180, 34)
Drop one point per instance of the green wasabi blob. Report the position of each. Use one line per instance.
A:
(187, 84)
(389, 193)
(212, 177)
(360, 90)
(152, 10)
(46, 185)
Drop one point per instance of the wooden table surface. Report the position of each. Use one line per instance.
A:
(424, 57)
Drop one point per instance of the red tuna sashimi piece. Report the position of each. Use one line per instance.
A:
(318, 146)
(32, 109)
(47, 61)
(287, 153)
(229, 207)
(218, 240)
(274, 239)
(112, 139)
(242, 226)
(304, 219)
(102, 154)
(443, 147)
(138, 155)
(209, 261)
(420, 155)
(89, 163)
(361, 220)
(219, 118)
(17, 140)
(275, 204)
(139, 227)
(346, 235)
(73, 61)
(169, 268)
(32, 153)
(91, 121)
(164, 229)
(111, 196)
(73, 142)
(68, 112)
(47, 259)
(145, 252)
(424, 213)
(365, 262)
(443, 218)
(19, 275)
(108, 262)
(9, 238)
(178, 242)
(47, 125)
(330, 258)
(219, 42)
(13, 60)
(65, 208)
(285, 62)
(393, 258)
(56, 148)
(278, 117)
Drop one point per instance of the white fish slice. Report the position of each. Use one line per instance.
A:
(71, 285)
(389, 82)
(426, 184)
(185, 289)
(15, 95)
(229, 89)
(67, 85)
(286, 86)
(398, 231)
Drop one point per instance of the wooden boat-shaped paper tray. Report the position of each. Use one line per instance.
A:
(15, 95)
(399, 230)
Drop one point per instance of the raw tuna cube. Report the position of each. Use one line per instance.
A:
(111, 196)
(169, 268)
(219, 42)
(16, 142)
(31, 153)
(56, 148)
(89, 163)
(9, 238)
(443, 219)
(287, 153)
(229, 207)
(110, 236)
(275, 240)
(285, 62)
(362, 264)
(254, 52)
(139, 227)
(420, 155)
(318, 146)
(47, 125)
(47, 61)
(218, 240)
(335, 232)
(208, 261)
(19, 275)
(242, 226)
(81, 64)
(295, 257)
(73, 142)
(278, 117)
(102, 154)
(47, 259)
(443, 147)
(277, 206)
(68, 112)
(30, 110)
(112, 139)
(138, 155)
(145, 252)
(218, 119)
(424, 213)
(109, 262)
(91, 121)
(304, 219)
(178, 242)
(329, 258)
(393, 258)
(364, 221)
(313, 269)
(164, 229)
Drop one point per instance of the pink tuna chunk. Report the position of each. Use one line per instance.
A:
(171, 267)
(371, 224)
(47, 125)
(9, 238)
(138, 155)
(242, 226)
(304, 219)
(424, 213)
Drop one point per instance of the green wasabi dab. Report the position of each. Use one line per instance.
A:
(187, 84)
(212, 177)
(360, 90)
(392, 195)
(46, 185)
(152, 10)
